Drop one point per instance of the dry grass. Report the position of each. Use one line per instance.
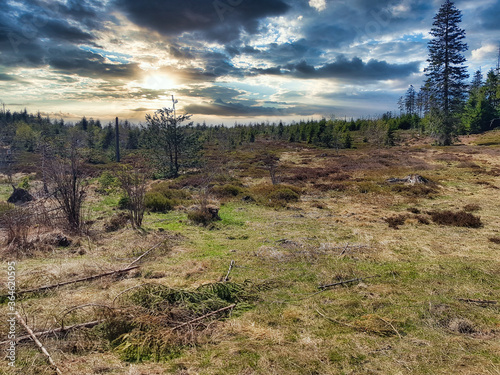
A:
(408, 319)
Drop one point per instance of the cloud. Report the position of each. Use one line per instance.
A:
(485, 52)
(345, 69)
(318, 4)
(7, 77)
(215, 20)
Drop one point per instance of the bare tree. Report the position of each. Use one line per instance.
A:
(271, 163)
(69, 182)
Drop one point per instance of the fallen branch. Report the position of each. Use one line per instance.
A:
(205, 316)
(55, 331)
(146, 253)
(390, 325)
(37, 342)
(231, 265)
(48, 287)
(343, 282)
(345, 249)
(479, 301)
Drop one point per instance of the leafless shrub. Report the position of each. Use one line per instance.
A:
(69, 182)
(133, 182)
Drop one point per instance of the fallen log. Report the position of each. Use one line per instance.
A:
(54, 331)
(343, 282)
(89, 278)
(146, 253)
(37, 342)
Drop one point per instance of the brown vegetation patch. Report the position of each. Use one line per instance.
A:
(395, 221)
(495, 240)
(456, 219)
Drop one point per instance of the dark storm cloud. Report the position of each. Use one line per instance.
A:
(345, 69)
(7, 77)
(220, 20)
(88, 64)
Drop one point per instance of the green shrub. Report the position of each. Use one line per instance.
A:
(157, 202)
(25, 183)
(124, 203)
(276, 195)
(170, 192)
(107, 183)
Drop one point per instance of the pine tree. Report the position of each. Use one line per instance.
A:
(409, 100)
(446, 69)
(477, 82)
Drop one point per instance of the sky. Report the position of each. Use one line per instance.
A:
(225, 61)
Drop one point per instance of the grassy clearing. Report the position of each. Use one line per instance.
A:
(412, 312)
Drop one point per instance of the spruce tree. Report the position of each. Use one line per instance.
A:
(446, 70)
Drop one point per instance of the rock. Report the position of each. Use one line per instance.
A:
(411, 179)
(20, 196)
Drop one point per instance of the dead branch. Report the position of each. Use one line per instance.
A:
(205, 316)
(345, 249)
(55, 331)
(343, 282)
(48, 287)
(390, 325)
(37, 342)
(146, 253)
(231, 265)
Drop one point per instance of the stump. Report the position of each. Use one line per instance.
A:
(20, 196)
(411, 179)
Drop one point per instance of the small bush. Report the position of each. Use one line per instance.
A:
(107, 183)
(157, 202)
(226, 190)
(456, 219)
(200, 216)
(117, 222)
(276, 195)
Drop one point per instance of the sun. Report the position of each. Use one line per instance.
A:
(158, 82)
